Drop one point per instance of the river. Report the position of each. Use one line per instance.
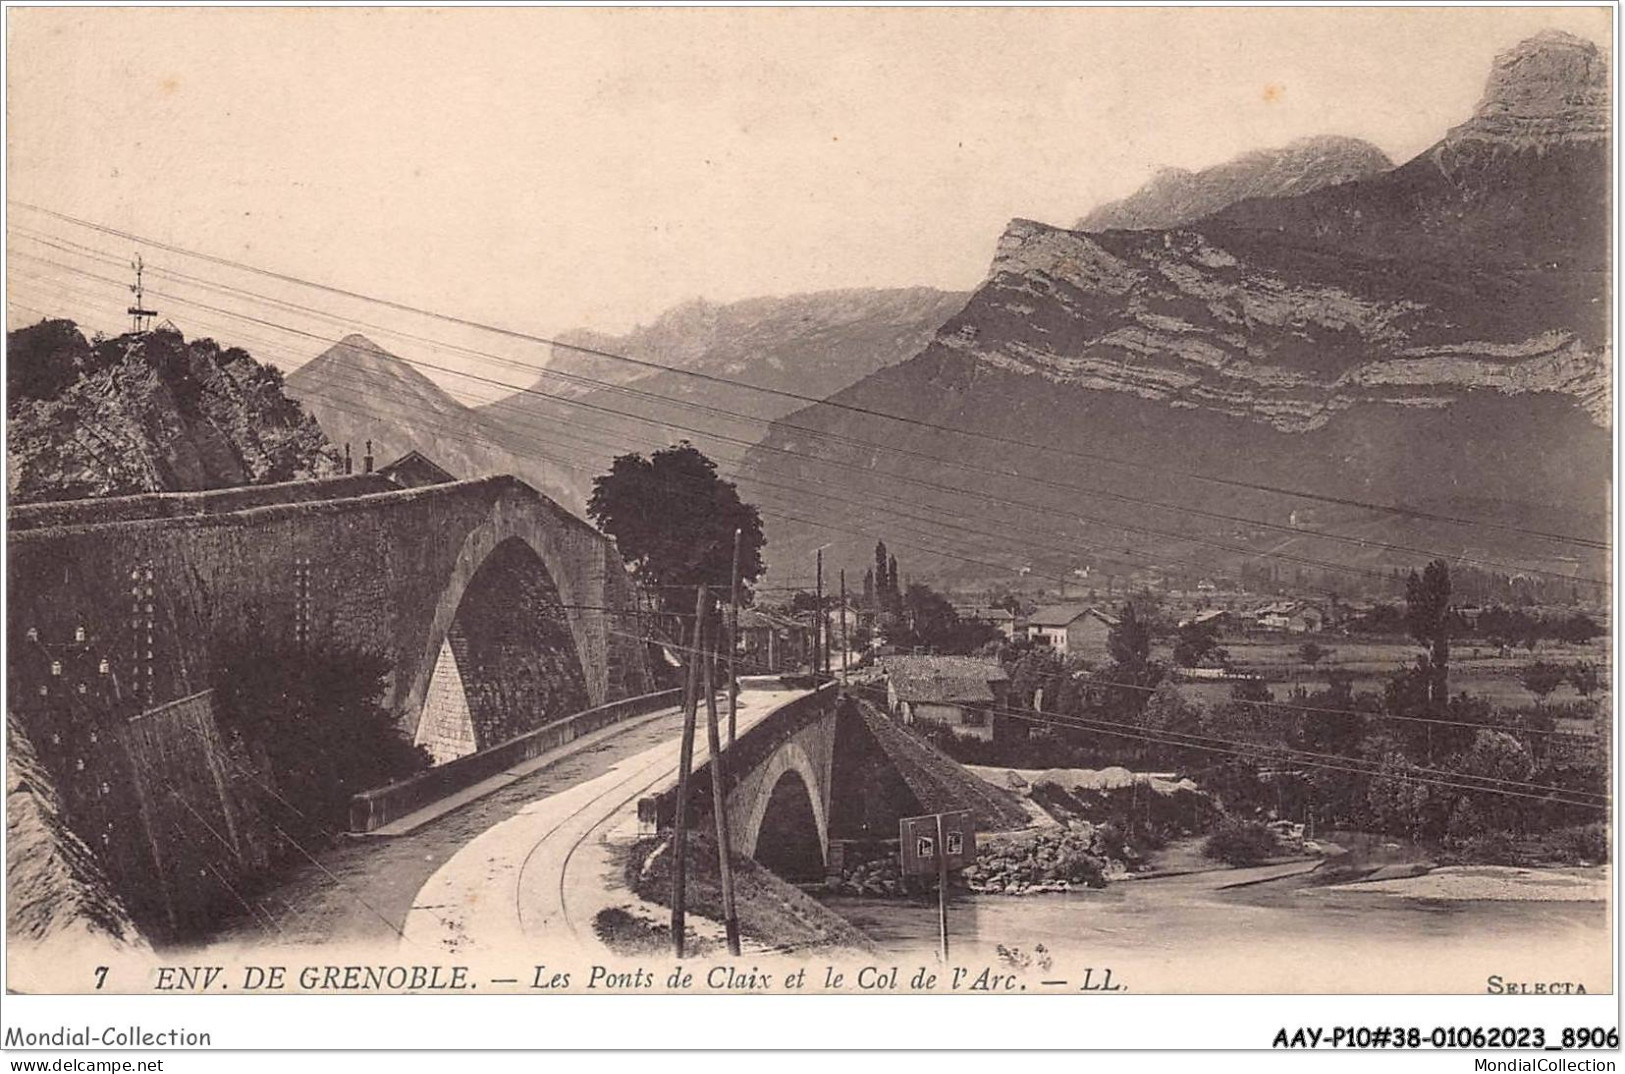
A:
(1188, 934)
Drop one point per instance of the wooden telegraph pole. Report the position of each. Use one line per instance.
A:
(844, 646)
(679, 835)
(733, 646)
(730, 919)
(942, 888)
(818, 637)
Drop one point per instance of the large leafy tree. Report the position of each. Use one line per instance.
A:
(1496, 757)
(1195, 643)
(674, 519)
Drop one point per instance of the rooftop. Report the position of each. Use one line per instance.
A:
(1060, 615)
(942, 678)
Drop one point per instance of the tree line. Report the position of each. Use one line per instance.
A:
(1411, 759)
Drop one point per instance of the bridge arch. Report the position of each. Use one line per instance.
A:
(787, 829)
(505, 648)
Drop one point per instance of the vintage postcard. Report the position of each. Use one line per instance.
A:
(1092, 502)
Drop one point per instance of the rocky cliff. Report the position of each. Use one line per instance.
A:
(147, 413)
(1522, 184)
(1176, 196)
(59, 903)
(1433, 336)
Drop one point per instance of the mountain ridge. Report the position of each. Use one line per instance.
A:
(1176, 196)
(811, 344)
(1435, 331)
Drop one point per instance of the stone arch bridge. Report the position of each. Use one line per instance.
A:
(495, 609)
(819, 771)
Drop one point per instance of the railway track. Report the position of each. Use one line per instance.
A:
(548, 897)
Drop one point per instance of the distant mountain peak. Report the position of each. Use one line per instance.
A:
(1176, 196)
(1549, 87)
(359, 342)
(357, 367)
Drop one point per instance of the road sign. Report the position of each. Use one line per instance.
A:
(923, 847)
(934, 845)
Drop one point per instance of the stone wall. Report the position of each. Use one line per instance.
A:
(99, 509)
(177, 820)
(208, 813)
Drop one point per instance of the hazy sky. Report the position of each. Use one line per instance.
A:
(555, 169)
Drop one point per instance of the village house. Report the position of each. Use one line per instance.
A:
(1072, 630)
(1291, 616)
(960, 692)
(1215, 618)
(999, 618)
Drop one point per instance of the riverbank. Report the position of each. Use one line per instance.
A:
(1492, 883)
(1254, 929)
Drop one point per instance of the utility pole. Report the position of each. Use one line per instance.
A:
(818, 639)
(942, 889)
(719, 809)
(679, 835)
(845, 648)
(140, 316)
(733, 646)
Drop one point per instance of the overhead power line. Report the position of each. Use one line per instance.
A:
(1031, 446)
(935, 486)
(1312, 710)
(1294, 532)
(786, 516)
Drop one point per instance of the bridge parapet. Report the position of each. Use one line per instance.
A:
(108, 509)
(371, 810)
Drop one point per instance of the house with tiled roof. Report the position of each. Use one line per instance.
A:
(1072, 630)
(960, 692)
(1001, 619)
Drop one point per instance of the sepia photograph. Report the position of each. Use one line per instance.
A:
(1094, 502)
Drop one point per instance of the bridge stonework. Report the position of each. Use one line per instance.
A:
(381, 571)
(780, 780)
(808, 756)
(115, 608)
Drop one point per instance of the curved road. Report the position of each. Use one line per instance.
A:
(535, 880)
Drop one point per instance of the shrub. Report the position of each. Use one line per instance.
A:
(316, 716)
(1491, 848)
(44, 358)
(1585, 842)
(1240, 842)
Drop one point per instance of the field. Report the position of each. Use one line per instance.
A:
(1478, 668)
